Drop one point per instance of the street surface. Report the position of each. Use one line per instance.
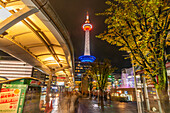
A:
(91, 106)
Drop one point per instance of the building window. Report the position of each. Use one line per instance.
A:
(77, 67)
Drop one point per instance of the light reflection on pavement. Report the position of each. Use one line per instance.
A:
(54, 101)
(92, 106)
(95, 105)
(55, 104)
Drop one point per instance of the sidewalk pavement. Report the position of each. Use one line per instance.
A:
(91, 106)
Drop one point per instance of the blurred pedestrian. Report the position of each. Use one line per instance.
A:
(105, 95)
(64, 104)
(110, 98)
(74, 103)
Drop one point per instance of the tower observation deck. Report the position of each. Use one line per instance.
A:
(87, 27)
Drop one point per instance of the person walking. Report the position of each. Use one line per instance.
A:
(105, 95)
(74, 103)
(64, 104)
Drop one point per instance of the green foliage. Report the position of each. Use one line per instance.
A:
(99, 71)
(141, 28)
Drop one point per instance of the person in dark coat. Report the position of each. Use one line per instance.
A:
(105, 95)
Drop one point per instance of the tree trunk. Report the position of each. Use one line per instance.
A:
(164, 100)
(90, 95)
(101, 98)
(163, 90)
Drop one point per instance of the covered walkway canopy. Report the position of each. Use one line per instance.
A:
(31, 31)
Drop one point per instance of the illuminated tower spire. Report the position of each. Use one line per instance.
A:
(87, 27)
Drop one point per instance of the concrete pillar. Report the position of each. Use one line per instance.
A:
(49, 86)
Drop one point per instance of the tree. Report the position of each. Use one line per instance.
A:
(90, 83)
(100, 71)
(79, 86)
(141, 28)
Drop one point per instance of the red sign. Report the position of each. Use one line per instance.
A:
(168, 65)
(61, 77)
(33, 82)
(9, 99)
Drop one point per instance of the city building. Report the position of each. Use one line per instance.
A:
(125, 87)
(80, 69)
(82, 64)
(11, 68)
(127, 78)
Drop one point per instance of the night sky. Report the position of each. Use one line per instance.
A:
(73, 13)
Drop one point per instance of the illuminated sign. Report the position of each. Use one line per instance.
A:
(35, 83)
(126, 92)
(87, 58)
(168, 65)
(61, 77)
(60, 83)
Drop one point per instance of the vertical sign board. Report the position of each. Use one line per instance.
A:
(9, 99)
(12, 98)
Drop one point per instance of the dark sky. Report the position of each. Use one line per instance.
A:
(72, 13)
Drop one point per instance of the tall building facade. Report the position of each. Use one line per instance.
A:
(80, 69)
(12, 68)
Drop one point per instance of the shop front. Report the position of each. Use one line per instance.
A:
(124, 94)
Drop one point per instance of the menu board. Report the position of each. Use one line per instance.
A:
(12, 98)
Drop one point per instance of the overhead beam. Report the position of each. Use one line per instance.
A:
(41, 44)
(62, 69)
(16, 17)
(48, 54)
(2, 3)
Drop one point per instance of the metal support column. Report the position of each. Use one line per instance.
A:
(137, 93)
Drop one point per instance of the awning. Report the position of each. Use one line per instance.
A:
(30, 33)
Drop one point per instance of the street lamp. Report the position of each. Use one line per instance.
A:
(138, 99)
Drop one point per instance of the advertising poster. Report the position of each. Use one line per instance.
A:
(12, 98)
(9, 99)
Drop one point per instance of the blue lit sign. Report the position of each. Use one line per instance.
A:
(79, 75)
(125, 92)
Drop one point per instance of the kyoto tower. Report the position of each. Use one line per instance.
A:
(87, 27)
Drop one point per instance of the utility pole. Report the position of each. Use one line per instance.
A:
(146, 94)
